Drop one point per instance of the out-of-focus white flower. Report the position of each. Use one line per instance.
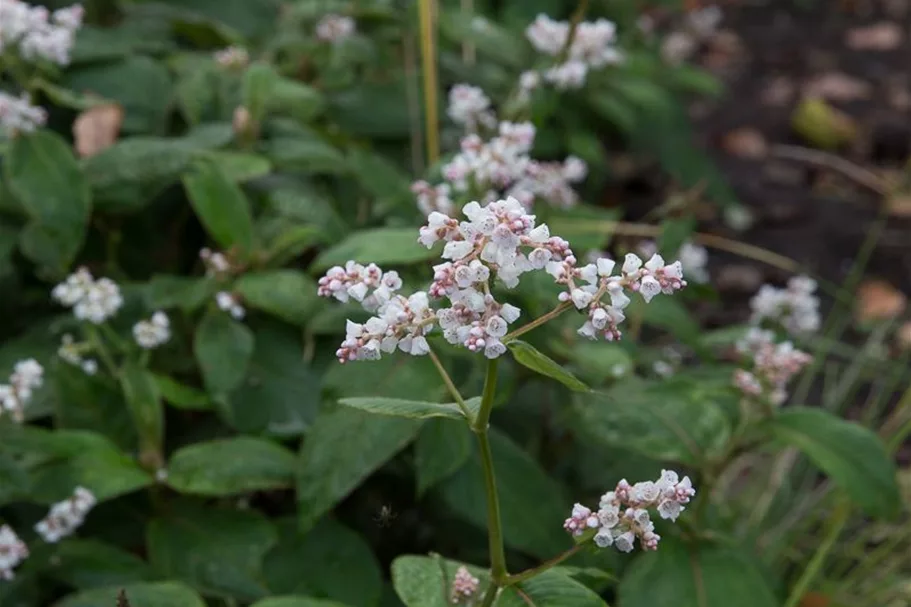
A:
(772, 366)
(464, 586)
(796, 308)
(66, 516)
(623, 514)
(91, 300)
(229, 303)
(27, 376)
(12, 552)
(694, 259)
(433, 198)
(469, 106)
(18, 115)
(334, 28)
(567, 76)
(232, 57)
(37, 34)
(72, 352)
(154, 332)
(592, 48)
(217, 264)
(738, 218)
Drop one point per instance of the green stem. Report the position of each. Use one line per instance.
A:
(490, 596)
(498, 571)
(451, 387)
(99, 347)
(838, 522)
(563, 307)
(530, 573)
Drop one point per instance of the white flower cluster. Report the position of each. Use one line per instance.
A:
(623, 514)
(796, 307)
(592, 47)
(469, 106)
(72, 352)
(12, 552)
(232, 57)
(27, 376)
(154, 332)
(464, 586)
(334, 28)
(18, 115)
(502, 165)
(230, 303)
(217, 264)
(693, 257)
(91, 300)
(66, 516)
(497, 240)
(38, 34)
(772, 366)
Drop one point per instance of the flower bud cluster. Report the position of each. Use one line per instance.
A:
(368, 285)
(154, 332)
(91, 300)
(470, 107)
(66, 516)
(433, 198)
(72, 352)
(796, 307)
(18, 115)
(334, 28)
(623, 514)
(230, 303)
(232, 57)
(12, 552)
(37, 34)
(592, 47)
(27, 376)
(772, 365)
(464, 586)
(693, 258)
(217, 264)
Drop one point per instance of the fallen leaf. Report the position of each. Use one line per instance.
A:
(837, 86)
(97, 128)
(745, 142)
(821, 125)
(878, 300)
(884, 36)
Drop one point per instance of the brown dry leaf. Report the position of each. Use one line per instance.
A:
(837, 86)
(884, 36)
(815, 599)
(745, 142)
(97, 128)
(899, 204)
(878, 300)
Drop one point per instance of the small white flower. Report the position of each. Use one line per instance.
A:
(66, 516)
(229, 303)
(12, 552)
(154, 332)
(335, 28)
(93, 300)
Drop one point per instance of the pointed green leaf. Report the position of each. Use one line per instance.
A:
(295, 601)
(553, 588)
(422, 581)
(259, 81)
(93, 564)
(287, 294)
(414, 409)
(223, 348)
(182, 396)
(441, 450)
(153, 594)
(231, 466)
(144, 403)
(221, 207)
(528, 356)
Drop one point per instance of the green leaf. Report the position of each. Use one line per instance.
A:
(527, 356)
(287, 294)
(144, 403)
(301, 102)
(422, 581)
(91, 402)
(664, 420)
(280, 395)
(340, 564)
(552, 588)
(238, 166)
(392, 376)
(231, 466)
(372, 110)
(328, 472)
(259, 80)
(413, 409)
(217, 551)
(380, 245)
(182, 396)
(92, 564)
(851, 455)
(598, 361)
(43, 174)
(529, 498)
(695, 576)
(295, 601)
(310, 156)
(146, 101)
(221, 207)
(490, 38)
(153, 594)
(223, 348)
(378, 176)
(164, 292)
(441, 450)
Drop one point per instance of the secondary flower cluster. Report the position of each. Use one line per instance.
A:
(220, 266)
(334, 28)
(464, 586)
(623, 514)
(91, 300)
(154, 332)
(38, 34)
(27, 376)
(693, 257)
(796, 307)
(66, 516)
(592, 47)
(12, 552)
(232, 57)
(772, 366)
(72, 352)
(498, 240)
(18, 115)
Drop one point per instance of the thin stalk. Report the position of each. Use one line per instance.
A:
(469, 54)
(100, 349)
(498, 571)
(429, 70)
(530, 573)
(451, 387)
(490, 596)
(563, 307)
(816, 564)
